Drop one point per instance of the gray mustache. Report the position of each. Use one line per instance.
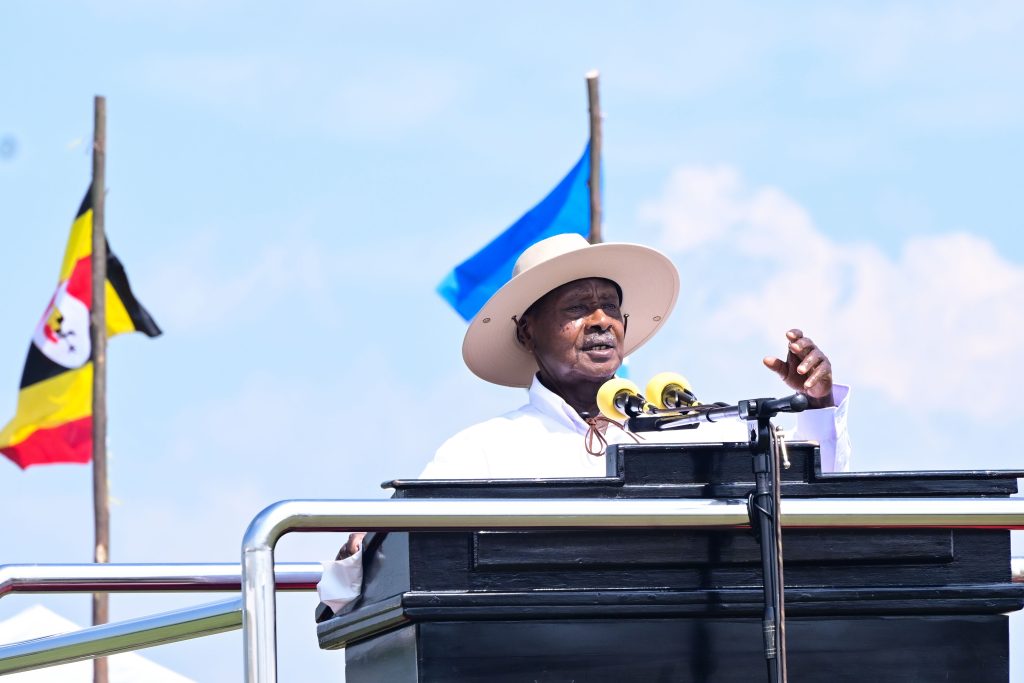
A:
(606, 339)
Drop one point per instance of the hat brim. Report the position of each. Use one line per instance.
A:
(649, 283)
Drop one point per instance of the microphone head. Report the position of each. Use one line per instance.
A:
(668, 390)
(613, 395)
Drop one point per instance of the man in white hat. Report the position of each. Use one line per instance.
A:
(561, 327)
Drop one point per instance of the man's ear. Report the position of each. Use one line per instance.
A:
(524, 333)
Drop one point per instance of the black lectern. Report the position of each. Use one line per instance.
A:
(636, 605)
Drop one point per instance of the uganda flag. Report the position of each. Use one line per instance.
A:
(53, 423)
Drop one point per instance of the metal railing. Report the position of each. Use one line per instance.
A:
(122, 636)
(259, 611)
(146, 578)
(135, 634)
(256, 610)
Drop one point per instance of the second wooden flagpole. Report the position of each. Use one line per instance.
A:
(595, 158)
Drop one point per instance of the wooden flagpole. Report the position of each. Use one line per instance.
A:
(98, 334)
(595, 157)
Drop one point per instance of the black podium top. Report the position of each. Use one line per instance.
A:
(601, 574)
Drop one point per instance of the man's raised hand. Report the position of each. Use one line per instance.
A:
(806, 369)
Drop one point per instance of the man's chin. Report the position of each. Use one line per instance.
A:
(602, 372)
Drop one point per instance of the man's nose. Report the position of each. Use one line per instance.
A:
(599, 318)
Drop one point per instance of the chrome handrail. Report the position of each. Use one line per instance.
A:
(147, 578)
(122, 636)
(258, 608)
(108, 639)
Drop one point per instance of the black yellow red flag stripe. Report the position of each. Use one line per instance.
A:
(53, 422)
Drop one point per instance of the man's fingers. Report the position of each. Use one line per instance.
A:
(802, 346)
(810, 361)
(778, 365)
(794, 334)
(820, 381)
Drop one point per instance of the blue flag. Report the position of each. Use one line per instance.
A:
(566, 210)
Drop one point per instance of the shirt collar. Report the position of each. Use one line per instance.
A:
(554, 406)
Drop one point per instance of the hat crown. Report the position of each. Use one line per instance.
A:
(547, 249)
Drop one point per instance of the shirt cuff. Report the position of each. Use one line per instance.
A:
(341, 582)
(827, 426)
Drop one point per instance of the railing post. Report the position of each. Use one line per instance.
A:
(259, 623)
(259, 607)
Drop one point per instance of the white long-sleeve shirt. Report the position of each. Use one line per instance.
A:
(546, 438)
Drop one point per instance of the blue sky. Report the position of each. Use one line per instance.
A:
(288, 183)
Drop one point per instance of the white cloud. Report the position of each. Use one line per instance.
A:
(698, 206)
(939, 321)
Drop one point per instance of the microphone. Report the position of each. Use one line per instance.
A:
(620, 399)
(670, 390)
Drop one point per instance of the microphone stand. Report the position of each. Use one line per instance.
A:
(762, 503)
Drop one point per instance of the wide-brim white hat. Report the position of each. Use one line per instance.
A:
(648, 279)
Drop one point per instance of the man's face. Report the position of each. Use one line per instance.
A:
(575, 332)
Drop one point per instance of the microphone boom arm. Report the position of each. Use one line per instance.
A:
(751, 409)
